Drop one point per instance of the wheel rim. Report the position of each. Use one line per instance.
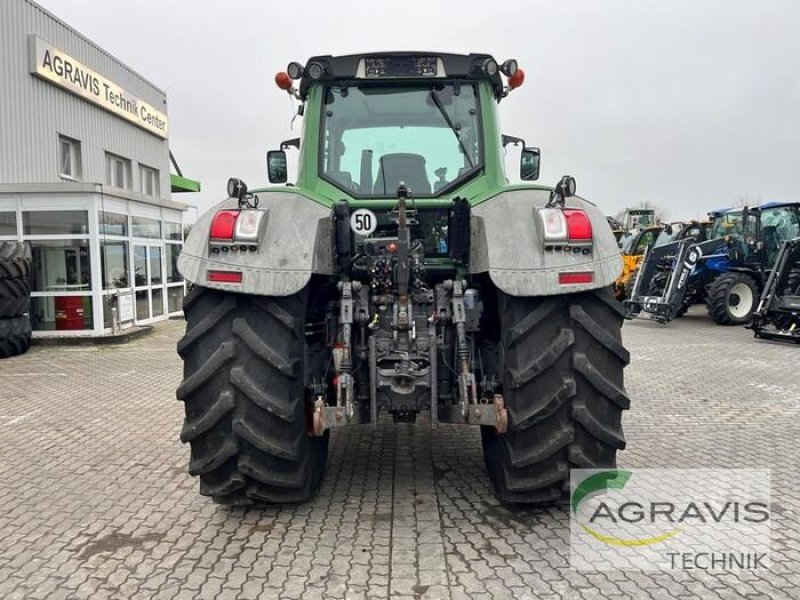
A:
(740, 300)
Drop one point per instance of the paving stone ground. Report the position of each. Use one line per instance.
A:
(95, 501)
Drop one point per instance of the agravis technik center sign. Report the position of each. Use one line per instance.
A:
(57, 67)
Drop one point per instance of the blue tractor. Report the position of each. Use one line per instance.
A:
(727, 271)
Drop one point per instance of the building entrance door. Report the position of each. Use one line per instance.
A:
(148, 277)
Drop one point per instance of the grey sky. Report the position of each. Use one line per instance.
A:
(691, 104)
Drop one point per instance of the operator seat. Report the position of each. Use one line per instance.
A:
(402, 166)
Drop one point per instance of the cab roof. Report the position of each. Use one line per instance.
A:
(763, 206)
(401, 66)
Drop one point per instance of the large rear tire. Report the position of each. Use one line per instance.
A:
(247, 414)
(15, 272)
(732, 298)
(15, 298)
(15, 336)
(15, 260)
(562, 362)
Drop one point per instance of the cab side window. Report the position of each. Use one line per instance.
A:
(645, 241)
(777, 226)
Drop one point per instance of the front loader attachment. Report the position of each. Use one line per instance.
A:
(660, 286)
(778, 313)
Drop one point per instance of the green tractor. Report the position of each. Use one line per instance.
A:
(400, 273)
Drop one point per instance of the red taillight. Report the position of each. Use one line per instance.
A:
(223, 224)
(566, 225)
(575, 278)
(579, 227)
(225, 276)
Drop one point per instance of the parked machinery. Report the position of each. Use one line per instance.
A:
(401, 273)
(634, 246)
(638, 218)
(660, 286)
(778, 312)
(727, 271)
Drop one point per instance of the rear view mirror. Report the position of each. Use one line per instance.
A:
(276, 166)
(529, 164)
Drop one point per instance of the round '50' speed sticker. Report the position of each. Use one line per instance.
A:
(363, 221)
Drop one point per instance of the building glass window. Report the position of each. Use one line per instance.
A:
(145, 228)
(175, 298)
(61, 313)
(120, 301)
(118, 171)
(139, 266)
(8, 223)
(55, 222)
(155, 266)
(142, 306)
(173, 252)
(172, 231)
(61, 265)
(114, 257)
(150, 269)
(113, 224)
(108, 302)
(158, 302)
(69, 158)
(149, 181)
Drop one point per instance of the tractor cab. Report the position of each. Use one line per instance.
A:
(757, 232)
(638, 218)
(375, 121)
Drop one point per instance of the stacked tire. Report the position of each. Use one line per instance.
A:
(15, 298)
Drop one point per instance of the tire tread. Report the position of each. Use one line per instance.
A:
(565, 404)
(245, 401)
(15, 336)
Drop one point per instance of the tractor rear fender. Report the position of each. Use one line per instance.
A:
(508, 243)
(295, 243)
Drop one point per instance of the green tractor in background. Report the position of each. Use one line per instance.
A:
(400, 273)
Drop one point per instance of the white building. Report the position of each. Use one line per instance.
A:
(85, 178)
